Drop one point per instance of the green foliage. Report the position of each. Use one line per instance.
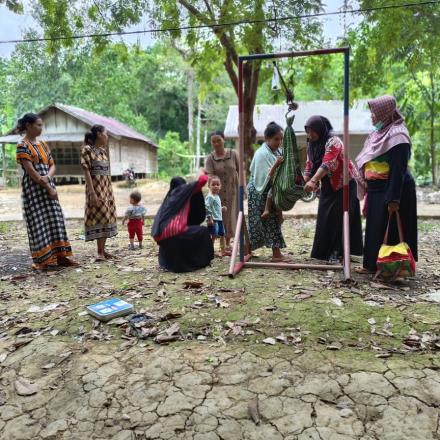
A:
(14, 5)
(172, 152)
(145, 89)
(398, 51)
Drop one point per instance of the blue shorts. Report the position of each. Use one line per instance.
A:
(217, 229)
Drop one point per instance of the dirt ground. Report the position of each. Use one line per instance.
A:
(72, 199)
(153, 192)
(269, 355)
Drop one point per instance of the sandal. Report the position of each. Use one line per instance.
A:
(100, 258)
(45, 268)
(67, 262)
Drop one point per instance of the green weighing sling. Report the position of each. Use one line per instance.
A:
(288, 185)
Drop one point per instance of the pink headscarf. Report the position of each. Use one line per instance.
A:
(394, 131)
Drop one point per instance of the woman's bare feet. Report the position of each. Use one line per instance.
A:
(100, 257)
(277, 256)
(108, 256)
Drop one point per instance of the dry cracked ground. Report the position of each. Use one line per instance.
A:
(268, 355)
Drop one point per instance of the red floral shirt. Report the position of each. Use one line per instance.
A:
(333, 163)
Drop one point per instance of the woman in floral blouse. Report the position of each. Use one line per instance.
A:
(325, 162)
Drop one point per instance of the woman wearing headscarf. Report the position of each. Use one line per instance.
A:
(184, 245)
(383, 164)
(324, 167)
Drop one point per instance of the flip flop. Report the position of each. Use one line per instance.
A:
(66, 262)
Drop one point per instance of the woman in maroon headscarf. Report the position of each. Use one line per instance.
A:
(390, 187)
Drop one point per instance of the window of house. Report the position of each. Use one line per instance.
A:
(66, 155)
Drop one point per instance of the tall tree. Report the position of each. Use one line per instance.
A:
(409, 37)
(219, 41)
(224, 42)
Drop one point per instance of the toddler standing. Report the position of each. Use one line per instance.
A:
(214, 212)
(135, 215)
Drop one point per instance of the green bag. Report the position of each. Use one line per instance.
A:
(288, 184)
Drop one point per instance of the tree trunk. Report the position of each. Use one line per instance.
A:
(190, 101)
(251, 73)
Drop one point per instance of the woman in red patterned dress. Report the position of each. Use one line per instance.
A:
(325, 163)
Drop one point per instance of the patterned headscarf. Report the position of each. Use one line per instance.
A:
(392, 133)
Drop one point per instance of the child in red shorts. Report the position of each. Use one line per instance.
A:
(135, 215)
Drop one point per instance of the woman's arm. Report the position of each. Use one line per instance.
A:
(313, 182)
(275, 166)
(94, 200)
(307, 169)
(52, 170)
(37, 178)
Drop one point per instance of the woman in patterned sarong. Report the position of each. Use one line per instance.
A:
(100, 211)
(265, 232)
(42, 212)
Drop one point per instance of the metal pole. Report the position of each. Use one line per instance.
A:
(238, 232)
(346, 176)
(295, 266)
(346, 232)
(266, 56)
(241, 151)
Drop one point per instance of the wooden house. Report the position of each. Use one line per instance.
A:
(64, 129)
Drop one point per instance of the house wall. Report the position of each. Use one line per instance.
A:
(127, 153)
(56, 121)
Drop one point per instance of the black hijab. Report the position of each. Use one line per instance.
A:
(175, 200)
(316, 149)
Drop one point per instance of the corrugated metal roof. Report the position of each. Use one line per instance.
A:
(114, 128)
(360, 121)
(49, 137)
